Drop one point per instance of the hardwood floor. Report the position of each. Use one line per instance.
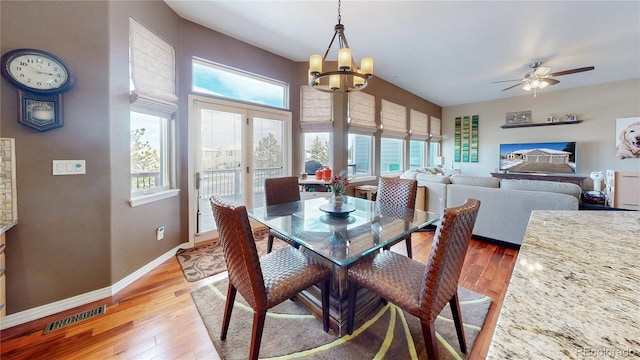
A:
(155, 317)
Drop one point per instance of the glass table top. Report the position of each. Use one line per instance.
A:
(342, 239)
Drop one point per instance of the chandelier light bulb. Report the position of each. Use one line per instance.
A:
(315, 64)
(344, 59)
(366, 66)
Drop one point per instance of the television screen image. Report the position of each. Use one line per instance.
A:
(543, 157)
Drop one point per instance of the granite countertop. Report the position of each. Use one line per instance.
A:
(6, 225)
(575, 290)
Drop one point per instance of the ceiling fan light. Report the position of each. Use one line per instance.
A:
(535, 83)
(543, 84)
(527, 87)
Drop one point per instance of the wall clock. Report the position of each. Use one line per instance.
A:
(41, 78)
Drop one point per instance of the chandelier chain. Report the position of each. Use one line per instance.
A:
(339, 16)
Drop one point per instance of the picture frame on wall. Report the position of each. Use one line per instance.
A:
(518, 117)
(626, 138)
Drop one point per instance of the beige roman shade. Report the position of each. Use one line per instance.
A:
(394, 119)
(435, 128)
(362, 113)
(419, 125)
(153, 70)
(316, 110)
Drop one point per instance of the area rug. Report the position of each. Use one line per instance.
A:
(206, 260)
(291, 332)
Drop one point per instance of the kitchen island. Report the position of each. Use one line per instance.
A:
(575, 290)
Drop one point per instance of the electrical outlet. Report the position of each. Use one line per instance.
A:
(160, 233)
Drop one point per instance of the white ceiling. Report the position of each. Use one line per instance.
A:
(448, 52)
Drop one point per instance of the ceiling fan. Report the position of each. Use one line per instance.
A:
(539, 77)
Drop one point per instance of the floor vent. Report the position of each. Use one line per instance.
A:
(70, 320)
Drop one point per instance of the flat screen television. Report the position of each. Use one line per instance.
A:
(542, 157)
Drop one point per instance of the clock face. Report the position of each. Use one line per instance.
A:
(36, 70)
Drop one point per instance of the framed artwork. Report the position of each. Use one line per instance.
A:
(518, 117)
(628, 138)
(41, 112)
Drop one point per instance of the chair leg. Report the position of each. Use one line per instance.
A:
(351, 306)
(457, 319)
(256, 334)
(430, 340)
(409, 252)
(325, 305)
(269, 243)
(228, 307)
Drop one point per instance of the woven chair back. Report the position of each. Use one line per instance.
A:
(240, 253)
(397, 192)
(448, 251)
(281, 190)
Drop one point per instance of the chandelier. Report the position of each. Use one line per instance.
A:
(348, 77)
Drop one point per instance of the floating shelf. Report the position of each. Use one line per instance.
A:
(541, 124)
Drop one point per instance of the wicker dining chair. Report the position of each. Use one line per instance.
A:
(421, 290)
(400, 193)
(279, 191)
(263, 282)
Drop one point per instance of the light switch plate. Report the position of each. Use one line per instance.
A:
(69, 167)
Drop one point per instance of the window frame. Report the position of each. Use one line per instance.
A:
(167, 153)
(242, 74)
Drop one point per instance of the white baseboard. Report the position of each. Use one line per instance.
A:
(78, 300)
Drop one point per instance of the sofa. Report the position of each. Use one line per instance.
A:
(506, 204)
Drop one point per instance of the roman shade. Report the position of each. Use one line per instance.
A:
(362, 113)
(435, 128)
(419, 125)
(153, 70)
(394, 119)
(316, 110)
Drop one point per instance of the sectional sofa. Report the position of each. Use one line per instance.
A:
(506, 204)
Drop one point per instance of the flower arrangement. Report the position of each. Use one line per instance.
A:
(339, 184)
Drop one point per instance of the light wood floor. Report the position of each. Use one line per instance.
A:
(155, 317)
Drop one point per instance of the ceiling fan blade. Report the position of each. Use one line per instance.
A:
(511, 87)
(572, 71)
(541, 71)
(501, 81)
(550, 81)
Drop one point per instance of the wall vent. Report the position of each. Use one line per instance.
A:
(70, 320)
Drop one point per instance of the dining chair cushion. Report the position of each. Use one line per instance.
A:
(288, 270)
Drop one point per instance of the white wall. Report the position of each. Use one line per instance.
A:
(598, 106)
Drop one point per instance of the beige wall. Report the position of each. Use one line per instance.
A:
(598, 106)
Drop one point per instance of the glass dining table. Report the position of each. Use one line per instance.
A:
(339, 237)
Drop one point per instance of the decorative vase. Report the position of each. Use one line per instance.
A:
(326, 174)
(319, 174)
(337, 200)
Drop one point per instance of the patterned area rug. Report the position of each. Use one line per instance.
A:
(290, 332)
(206, 260)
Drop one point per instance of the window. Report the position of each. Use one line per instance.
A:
(360, 155)
(219, 80)
(391, 155)
(417, 152)
(316, 151)
(362, 126)
(149, 163)
(394, 130)
(316, 122)
(419, 136)
(435, 140)
(153, 101)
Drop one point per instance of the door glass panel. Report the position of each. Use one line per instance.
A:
(268, 154)
(220, 164)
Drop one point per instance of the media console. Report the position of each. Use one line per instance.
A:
(575, 179)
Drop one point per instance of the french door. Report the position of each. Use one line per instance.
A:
(233, 147)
